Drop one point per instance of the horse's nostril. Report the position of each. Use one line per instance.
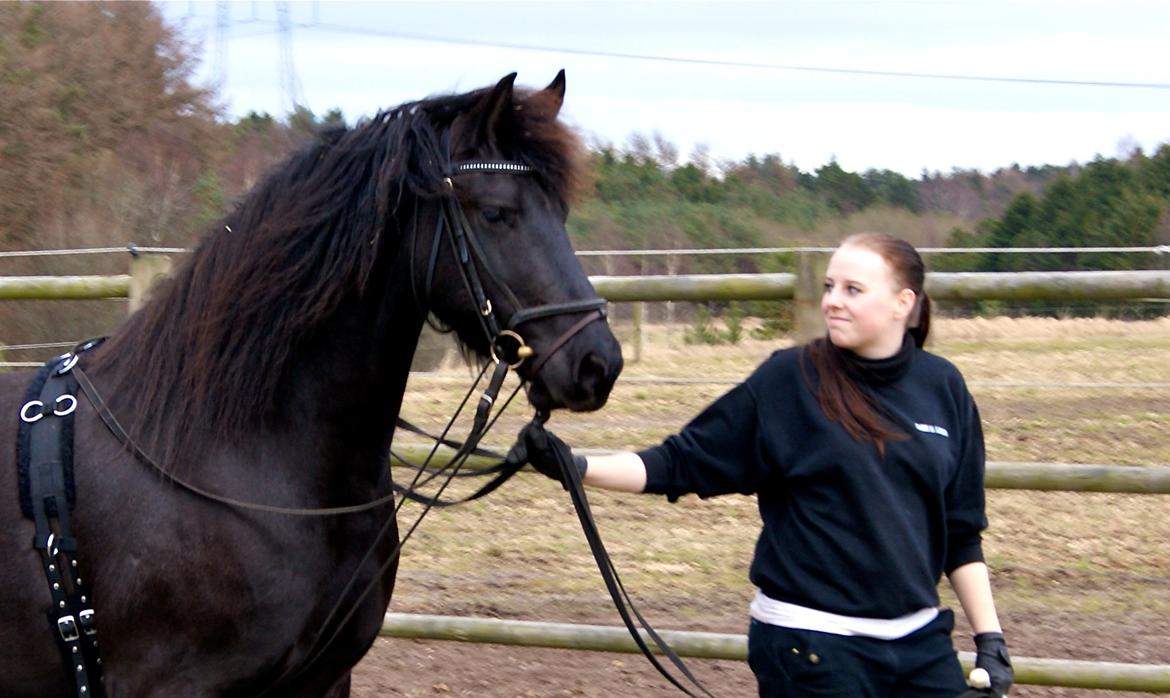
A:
(592, 370)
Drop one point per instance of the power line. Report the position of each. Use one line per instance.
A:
(461, 41)
(733, 64)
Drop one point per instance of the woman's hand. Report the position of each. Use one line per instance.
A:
(991, 655)
(545, 452)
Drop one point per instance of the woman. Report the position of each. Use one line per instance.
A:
(866, 453)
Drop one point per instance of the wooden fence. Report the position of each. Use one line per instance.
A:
(804, 289)
(1049, 477)
(1148, 678)
(1008, 286)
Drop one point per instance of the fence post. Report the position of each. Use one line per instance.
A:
(806, 310)
(146, 268)
(639, 320)
(672, 265)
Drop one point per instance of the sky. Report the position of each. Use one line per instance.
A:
(789, 77)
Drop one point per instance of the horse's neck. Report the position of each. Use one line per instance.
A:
(328, 443)
(354, 375)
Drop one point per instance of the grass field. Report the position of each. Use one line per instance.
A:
(1059, 560)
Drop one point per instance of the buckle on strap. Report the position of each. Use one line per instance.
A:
(86, 620)
(67, 626)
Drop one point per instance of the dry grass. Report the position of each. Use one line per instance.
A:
(520, 553)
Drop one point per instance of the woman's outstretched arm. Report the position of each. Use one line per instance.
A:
(622, 471)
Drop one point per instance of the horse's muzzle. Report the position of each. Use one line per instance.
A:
(581, 375)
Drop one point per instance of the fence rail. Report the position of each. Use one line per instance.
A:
(803, 288)
(1149, 678)
(1006, 286)
(1012, 286)
(13, 288)
(1049, 477)
(678, 252)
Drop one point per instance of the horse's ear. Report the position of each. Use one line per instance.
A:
(497, 103)
(555, 94)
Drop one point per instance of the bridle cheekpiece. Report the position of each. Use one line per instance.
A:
(506, 343)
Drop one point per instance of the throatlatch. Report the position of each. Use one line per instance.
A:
(47, 495)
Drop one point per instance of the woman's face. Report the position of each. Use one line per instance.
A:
(864, 308)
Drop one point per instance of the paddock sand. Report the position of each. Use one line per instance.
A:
(1076, 576)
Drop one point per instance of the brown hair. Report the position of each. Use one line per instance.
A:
(840, 396)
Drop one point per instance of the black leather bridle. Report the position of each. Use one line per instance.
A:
(508, 348)
(507, 345)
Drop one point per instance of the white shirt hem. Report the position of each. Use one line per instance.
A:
(790, 615)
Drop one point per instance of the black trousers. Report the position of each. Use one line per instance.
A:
(790, 663)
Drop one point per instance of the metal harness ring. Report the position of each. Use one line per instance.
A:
(24, 416)
(68, 410)
(522, 351)
(58, 411)
(69, 361)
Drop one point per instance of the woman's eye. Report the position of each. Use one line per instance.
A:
(492, 214)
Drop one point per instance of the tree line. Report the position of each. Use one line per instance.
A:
(105, 139)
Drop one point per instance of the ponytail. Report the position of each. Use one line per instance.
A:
(919, 327)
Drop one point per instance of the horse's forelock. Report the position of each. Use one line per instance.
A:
(554, 150)
(528, 132)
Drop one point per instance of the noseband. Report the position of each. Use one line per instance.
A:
(507, 345)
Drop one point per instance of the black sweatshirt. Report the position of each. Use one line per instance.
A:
(844, 530)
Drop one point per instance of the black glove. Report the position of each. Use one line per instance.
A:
(991, 655)
(543, 449)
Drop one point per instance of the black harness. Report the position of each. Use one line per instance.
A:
(47, 494)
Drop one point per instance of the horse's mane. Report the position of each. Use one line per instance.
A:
(214, 345)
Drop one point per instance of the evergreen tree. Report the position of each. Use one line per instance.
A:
(893, 188)
(846, 192)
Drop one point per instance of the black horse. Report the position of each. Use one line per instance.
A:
(271, 368)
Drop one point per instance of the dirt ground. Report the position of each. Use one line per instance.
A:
(1076, 576)
(397, 667)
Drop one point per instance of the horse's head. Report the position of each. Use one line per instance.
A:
(501, 271)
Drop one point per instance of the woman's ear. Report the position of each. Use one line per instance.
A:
(905, 305)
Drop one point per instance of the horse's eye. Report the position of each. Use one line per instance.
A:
(492, 214)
